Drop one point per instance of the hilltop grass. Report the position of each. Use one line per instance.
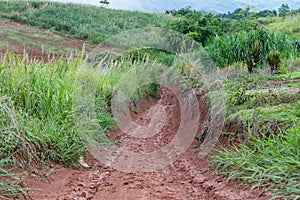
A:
(289, 25)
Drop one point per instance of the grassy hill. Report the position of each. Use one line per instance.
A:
(90, 23)
(289, 25)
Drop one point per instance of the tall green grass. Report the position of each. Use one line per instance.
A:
(37, 112)
(240, 47)
(36, 117)
(41, 95)
(267, 155)
(269, 162)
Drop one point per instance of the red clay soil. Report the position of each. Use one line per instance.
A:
(187, 178)
(34, 49)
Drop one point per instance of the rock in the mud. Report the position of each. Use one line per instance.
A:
(82, 163)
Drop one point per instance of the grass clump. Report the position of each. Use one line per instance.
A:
(42, 97)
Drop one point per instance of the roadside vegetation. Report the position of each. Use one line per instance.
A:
(36, 115)
(262, 67)
(262, 128)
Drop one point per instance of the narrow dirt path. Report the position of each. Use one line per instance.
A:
(189, 178)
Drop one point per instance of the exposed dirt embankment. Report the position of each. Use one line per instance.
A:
(39, 44)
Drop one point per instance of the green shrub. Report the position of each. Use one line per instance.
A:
(274, 60)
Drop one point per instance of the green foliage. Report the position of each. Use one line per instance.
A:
(288, 25)
(241, 13)
(11, 188)
(144, 54)
(283, 10)
(250, 91)
(254, 56)
(109, 82)
(229, 26)
(195, 25)
(274, 60)
(249, 47)
(36, 116)
(42, 96)
(282, 116)
(268, 157)
(91, 23)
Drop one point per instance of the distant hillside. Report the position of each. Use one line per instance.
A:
(289, 25)
(90, 23)
(215, 6)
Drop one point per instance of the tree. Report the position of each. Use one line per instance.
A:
(283, 10)
(196, 26)
(104, 3)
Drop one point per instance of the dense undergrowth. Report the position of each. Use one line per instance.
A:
(269, 161)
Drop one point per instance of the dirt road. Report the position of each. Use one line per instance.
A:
(189, 178)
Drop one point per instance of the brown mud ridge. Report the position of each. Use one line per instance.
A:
(188, 178)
